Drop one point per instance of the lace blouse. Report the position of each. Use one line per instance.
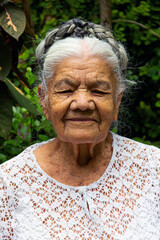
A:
(123, 204)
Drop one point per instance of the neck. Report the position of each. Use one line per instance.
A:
(84, 154)
(75, 164)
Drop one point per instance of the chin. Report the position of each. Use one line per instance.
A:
(82, 138)
(81, 141)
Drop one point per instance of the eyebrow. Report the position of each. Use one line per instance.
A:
(101, 83)
(65, 81)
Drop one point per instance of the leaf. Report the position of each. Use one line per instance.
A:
(158, 95)
(5, 59)
(5, 110)
(12, 20)
(43, 137)
(157, 104)
(21, 98)
(3, 158)
(23, 130)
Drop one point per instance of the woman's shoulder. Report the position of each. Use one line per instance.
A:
(148, 156)
(25, 158)
(135, 145)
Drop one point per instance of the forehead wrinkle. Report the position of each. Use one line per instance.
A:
(77, 73)
(91, 81)
(101, 74)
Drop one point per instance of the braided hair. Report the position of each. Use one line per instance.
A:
(77, 28)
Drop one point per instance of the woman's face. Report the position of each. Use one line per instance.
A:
(82, 100)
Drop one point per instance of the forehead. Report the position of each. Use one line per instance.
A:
(84, 70)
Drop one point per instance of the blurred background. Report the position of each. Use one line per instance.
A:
(24, 23)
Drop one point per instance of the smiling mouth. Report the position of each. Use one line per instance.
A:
(81, 119)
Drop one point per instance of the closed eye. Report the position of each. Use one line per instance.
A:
(66, 91)
(98, 92)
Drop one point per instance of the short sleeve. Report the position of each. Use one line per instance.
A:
(6, 211)
(158, 164)
(155, 161)
(155, 171)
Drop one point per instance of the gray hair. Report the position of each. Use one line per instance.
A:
(67, 41)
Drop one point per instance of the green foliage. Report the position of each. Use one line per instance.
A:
(26, 130)
(22, 100)
(144, 63)
(12, 25)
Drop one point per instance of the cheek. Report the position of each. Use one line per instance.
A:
(57, 110)
(106, 111)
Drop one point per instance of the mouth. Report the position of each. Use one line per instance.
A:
(81, 119)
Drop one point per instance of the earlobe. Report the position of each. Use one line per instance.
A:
(41, 94)
(43, 101)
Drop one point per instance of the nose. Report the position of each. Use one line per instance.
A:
(82, 101)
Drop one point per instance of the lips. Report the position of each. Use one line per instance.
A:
(81, 119)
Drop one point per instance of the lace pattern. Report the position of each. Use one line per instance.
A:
(123, 204)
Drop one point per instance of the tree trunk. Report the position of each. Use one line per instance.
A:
(105, 12)
(26, 8)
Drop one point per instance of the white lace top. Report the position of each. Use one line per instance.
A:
(123, 204)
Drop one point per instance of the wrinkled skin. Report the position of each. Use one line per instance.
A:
(81, 105)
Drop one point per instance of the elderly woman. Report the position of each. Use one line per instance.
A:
(88, 183)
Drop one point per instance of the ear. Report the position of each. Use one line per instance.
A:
(44, 101)
(118, 102)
